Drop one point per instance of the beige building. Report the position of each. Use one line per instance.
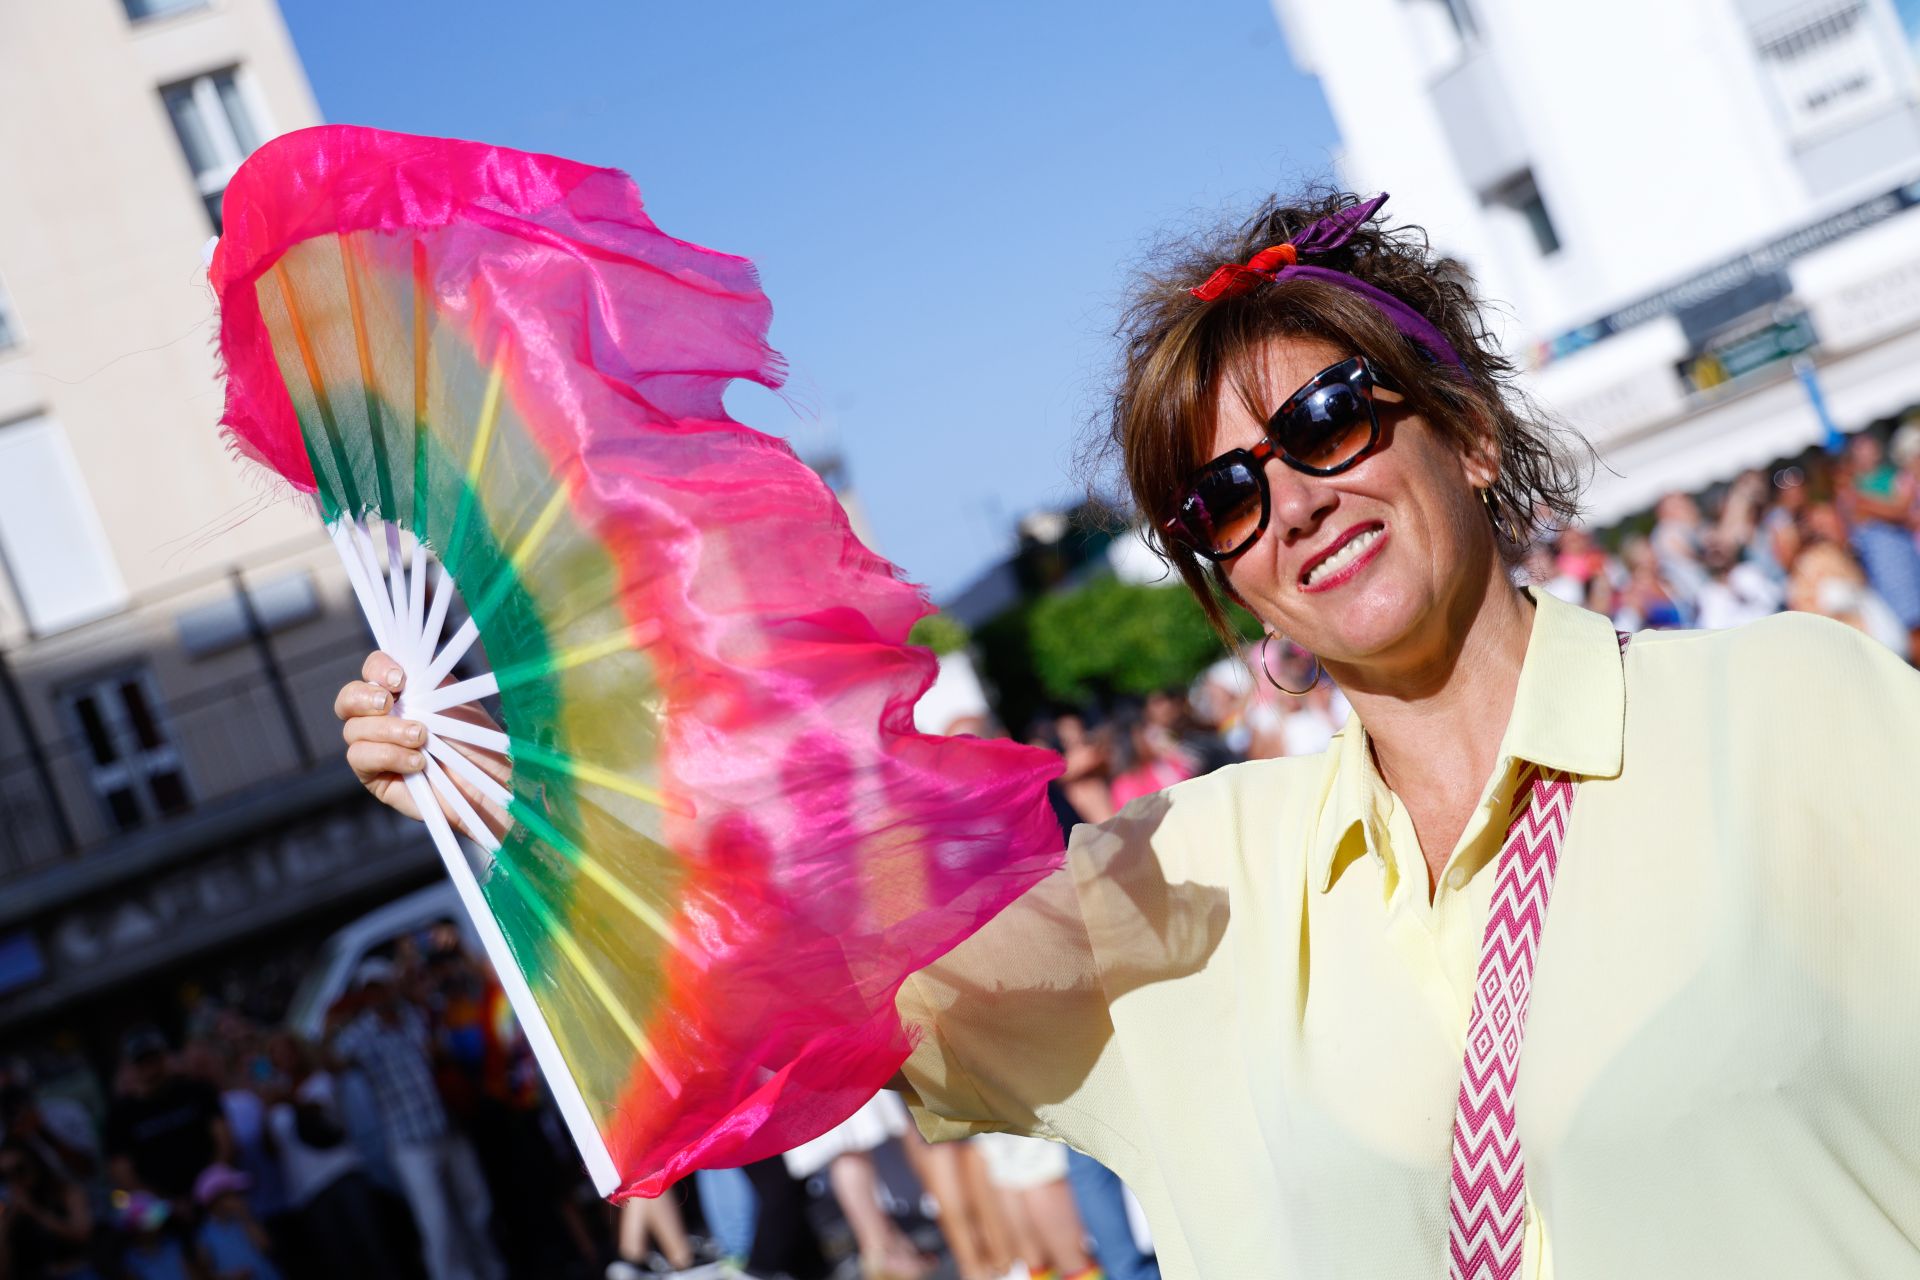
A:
(171, 628)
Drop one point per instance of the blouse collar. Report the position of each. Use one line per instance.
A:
(1569, 714)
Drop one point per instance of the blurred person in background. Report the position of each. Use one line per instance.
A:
(1648, 592)
(729, 1205)
(1149, 759)
(342, 1228)
(1776, 536)
(150, 1237)
(1086, 781)
(1903, 451)
(1827, 580)
(1101, 1198)
(652, 1240)
(1877, 500)
(163, 1126)
(1677, 538)
(1219, 696)
(1030, 1175)
(1578, 559)
(237, 1054)
(1198, 735)
(438, 1171)
(1308, 725)
(492, 1089)
(46, 1225)
(968, 1213)
(59, 1129)
(785, 1245)
(845, 1154)
(1736, 592)
(229, 1243)
(1542, 569)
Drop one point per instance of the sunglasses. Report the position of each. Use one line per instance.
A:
(1324, 428)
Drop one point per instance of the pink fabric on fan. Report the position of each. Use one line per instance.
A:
(784, 660)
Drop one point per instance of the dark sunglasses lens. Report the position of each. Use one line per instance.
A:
(1223, 508)
(1331, 426)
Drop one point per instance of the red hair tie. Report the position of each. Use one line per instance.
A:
(1234, 278)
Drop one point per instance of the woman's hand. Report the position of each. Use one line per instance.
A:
(383, 749)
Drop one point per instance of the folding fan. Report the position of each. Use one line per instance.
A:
(499, 381)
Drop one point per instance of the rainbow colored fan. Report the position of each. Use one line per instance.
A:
(500, 383)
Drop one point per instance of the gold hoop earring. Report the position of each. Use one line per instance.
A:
(1267, 671)
(1512, 532)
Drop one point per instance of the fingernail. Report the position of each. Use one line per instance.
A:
(414, 761)
(379, 699)
(416, 734)
(393, 678)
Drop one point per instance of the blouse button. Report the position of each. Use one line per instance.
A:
(1457, 877)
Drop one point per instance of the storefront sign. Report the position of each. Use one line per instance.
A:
(1734, 275)
(1745, 350)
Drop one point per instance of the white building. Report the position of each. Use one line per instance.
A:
(170, 637)
(1677, 202)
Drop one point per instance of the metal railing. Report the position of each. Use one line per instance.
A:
(256, 710)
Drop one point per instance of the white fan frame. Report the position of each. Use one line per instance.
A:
(408, 628)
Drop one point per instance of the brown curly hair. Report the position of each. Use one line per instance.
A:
(1176, 351)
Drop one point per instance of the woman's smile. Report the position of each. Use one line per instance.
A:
(1345, 558)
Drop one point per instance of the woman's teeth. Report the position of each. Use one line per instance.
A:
(1350, 550)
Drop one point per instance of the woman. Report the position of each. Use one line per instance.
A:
(1256, 996)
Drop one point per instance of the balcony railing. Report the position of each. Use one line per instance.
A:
(182, 703)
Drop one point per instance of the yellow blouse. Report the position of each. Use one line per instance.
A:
(1238, 996)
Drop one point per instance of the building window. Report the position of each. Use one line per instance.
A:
(1442, 32)
(9, 326)
(52, 547)
(1522, 198)
(140, 10)
(1825, 65)
(218, 128)
(124, 744)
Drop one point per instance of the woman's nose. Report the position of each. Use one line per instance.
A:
(1300, 501)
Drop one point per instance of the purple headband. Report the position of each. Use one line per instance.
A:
(1282, 262)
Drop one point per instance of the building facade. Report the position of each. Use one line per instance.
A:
(1701, 220)
(171, 628)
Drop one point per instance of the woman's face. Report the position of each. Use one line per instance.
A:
(1414, 497)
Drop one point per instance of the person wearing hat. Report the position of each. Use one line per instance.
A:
(162, 1127)
(438, 1170)
(232, 1246)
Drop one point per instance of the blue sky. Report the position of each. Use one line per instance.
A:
(942, 199)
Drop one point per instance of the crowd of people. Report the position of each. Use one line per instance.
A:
(413, 1139)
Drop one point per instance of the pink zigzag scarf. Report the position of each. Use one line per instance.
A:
(1484, 1206)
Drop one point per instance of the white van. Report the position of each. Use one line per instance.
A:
(341, 954)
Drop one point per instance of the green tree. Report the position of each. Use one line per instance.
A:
(940, 633)
(1113, 636)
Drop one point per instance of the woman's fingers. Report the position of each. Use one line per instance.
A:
(381, 669)
(361, 698)
(382, 748)
(404, 733)
(370, 759)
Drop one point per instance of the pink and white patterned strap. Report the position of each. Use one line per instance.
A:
(1484, 1205)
